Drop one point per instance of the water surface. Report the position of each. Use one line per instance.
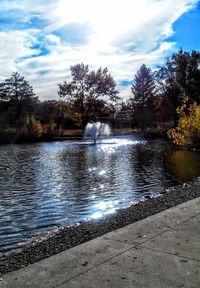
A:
(46, 185)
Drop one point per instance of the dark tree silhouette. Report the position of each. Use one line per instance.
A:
(180, 77)
(17, 98)
(143, 90)
(89, 91)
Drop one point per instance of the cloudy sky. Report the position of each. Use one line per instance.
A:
(41, 39)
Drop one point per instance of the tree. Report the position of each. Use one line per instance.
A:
(17, 97)
(50, 110)
(187, 132)
(180, 77)
(89, 91)
(143, 90)
(163, 109)
(31, 129)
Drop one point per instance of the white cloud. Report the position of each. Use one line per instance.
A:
(14, 45)
(122, 36)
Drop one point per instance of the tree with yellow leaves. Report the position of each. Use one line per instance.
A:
(32, 128)
(187, 132)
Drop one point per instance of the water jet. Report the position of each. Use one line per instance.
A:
(96, 130)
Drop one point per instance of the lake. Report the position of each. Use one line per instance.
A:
(46, 185)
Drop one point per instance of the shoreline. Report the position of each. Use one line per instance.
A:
(77, 134)
(67, 237)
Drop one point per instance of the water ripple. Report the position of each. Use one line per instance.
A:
(46, 185)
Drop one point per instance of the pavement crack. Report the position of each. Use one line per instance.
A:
(184, 221)
(95, 266)
(168, 253)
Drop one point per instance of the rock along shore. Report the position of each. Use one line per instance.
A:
(68, 237)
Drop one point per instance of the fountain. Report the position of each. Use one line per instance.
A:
(95, 130)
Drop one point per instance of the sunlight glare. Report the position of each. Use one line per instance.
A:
(107, 19)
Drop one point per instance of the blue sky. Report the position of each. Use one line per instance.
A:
(187, 30)
(41, 39)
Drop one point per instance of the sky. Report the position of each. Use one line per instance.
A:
(41, 39)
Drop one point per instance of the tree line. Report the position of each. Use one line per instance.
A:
(156, 98)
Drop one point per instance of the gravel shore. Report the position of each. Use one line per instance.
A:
(65, 238)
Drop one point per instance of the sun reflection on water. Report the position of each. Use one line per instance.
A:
(103, 208)
(102, 172)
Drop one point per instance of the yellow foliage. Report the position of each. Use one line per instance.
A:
(32, 128)
(187, 132)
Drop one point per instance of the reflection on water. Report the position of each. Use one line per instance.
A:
(46, 185)
(185, 165)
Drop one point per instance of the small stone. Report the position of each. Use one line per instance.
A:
(183, 260)
(84, 263)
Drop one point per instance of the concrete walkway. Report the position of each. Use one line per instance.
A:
(162, 251)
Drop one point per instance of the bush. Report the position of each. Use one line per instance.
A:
(49, 128)
(187, 132)
(31, 129)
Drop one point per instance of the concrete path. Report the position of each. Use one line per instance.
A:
(162, 251)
